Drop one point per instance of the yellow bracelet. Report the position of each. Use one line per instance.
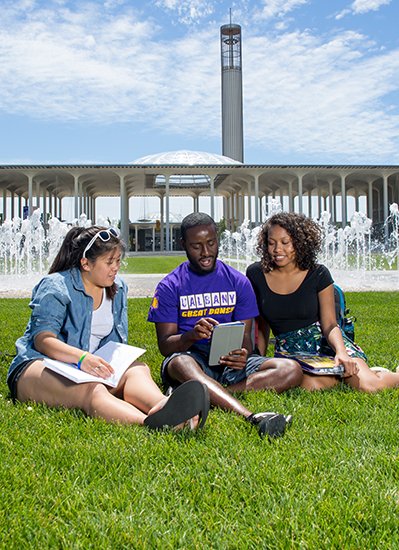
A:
(81, 359)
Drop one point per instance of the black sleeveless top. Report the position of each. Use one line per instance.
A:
(286, 312)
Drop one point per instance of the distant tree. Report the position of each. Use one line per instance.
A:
(221, 227)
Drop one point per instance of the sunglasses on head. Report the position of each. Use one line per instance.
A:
(104, 235)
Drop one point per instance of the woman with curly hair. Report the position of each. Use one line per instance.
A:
(295, 298)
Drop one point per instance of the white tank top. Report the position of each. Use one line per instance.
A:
(101, 323)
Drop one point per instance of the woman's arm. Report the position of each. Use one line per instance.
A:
(263, 335)
(50, 346)
(332, 332)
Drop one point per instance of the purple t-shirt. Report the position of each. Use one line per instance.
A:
(184, 296)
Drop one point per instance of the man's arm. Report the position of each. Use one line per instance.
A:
(170, 341)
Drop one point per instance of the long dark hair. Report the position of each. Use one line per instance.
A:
(74, 244)
(306, 236)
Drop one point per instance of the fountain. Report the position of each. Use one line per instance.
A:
(28, 247)
(355, 258)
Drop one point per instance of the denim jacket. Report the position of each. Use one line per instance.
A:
(60, 305)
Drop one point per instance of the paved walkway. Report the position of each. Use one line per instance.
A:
(144, 285)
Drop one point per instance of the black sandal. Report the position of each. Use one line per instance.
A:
(188, 400)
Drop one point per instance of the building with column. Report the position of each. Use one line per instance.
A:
(244, 189)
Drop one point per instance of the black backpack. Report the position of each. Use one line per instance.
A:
(345, 323)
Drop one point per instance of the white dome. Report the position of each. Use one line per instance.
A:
(190, 158)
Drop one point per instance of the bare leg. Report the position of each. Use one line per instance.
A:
(43, 386)
(184, 367)
(315, 382)
(138, 388)
(274, 374)
(370, 381)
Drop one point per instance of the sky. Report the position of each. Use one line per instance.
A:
(111, 81)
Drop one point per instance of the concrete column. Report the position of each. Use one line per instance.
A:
(162, 239)
(331, 203)
(4, 204)
(59, 208)
(212, 190)
(136, 240)
(249, 203)
(12, 204)
(224, 202)
(81, 202)
(231, 209)
(385, 204)
(300, 194)
(167, 214)
(37, 194)
(310, 203)
(319, 200)
(30, 194)
(172, 225)
(76, 195)
(257, 202)
(44, 203)
(20, 206)
(153, 238)
(290, 197)
(343, 201)
(124, 211)
(370, 200)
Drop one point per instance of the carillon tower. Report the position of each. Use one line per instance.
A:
(232, 117)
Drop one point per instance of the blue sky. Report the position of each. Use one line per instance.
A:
(111, 81)
(116, 80)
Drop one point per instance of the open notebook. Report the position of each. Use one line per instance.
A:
(120, 357)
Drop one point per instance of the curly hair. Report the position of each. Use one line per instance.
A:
(306, 236)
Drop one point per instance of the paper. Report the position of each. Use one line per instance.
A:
(225, 338)
(120, 357)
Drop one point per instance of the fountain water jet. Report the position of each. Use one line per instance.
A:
(355, 258)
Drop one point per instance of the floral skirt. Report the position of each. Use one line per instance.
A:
(311, 340)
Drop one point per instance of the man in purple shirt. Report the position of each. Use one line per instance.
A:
(189, 302)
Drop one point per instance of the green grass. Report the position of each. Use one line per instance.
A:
(151, 264)
(69, 481)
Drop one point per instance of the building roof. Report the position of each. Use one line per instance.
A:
(185, 158)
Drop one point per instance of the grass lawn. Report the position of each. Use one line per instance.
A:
(151, 264)
(332, 482)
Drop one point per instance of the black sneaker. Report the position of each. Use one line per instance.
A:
(270, 423)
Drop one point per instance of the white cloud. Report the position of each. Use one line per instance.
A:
(279, 8)
(302, 94)
(306, 96)
(362, 6)
(188, 11)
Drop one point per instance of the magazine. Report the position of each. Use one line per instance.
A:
(315, 364)
(119, 356)
(225, 338)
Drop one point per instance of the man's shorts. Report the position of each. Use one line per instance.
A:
(224, 375)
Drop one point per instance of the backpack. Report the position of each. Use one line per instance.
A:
(345, 323)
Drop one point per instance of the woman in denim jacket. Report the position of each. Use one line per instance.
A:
(80, 306)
